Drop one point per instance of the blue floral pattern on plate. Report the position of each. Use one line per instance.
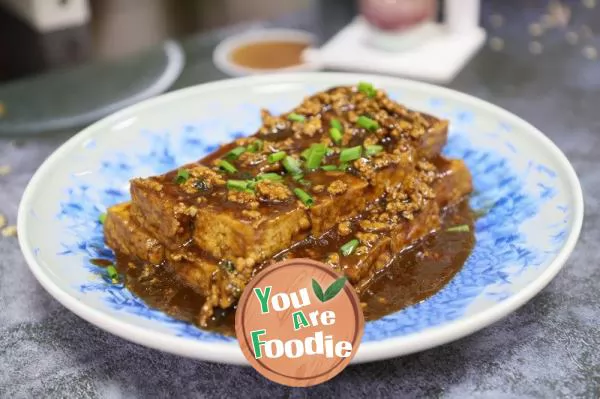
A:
(528, 220)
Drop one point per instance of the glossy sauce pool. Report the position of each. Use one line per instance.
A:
(269, 54)
(417, 273)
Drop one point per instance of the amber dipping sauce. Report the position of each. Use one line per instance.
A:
(269, 54)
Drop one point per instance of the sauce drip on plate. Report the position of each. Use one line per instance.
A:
(269, 54)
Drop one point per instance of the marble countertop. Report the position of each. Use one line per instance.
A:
(547, 348)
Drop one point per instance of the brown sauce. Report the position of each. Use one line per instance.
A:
(269, 55)
(417, 273)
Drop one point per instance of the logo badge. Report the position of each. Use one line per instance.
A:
(299, 323)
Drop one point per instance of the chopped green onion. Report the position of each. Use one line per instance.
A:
(298, 176)
(306, 153)
(349, 247)
(304, 197)
(112, 273)
(367, 88)
(336, 135)
(226, 166)
(235, 153)
(463, 228)
(182, 176)
(240, 185)
(255, 146)
(102, 218)
(304, 182)
(343, 167)
(337, 125)
(367, 123)
(329, 168)
(371, 150)
(350, 154)
(330, 151)
(269, 176)
(296, 117)
(275, 157)
(292, 165)
(316, 156)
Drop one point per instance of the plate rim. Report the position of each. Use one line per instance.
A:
(369, 351)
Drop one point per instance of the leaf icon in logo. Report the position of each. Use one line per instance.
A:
(318, 290)
(331, 291)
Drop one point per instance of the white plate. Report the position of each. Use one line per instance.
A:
(522, 242)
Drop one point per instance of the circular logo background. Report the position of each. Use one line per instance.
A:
(299, 323)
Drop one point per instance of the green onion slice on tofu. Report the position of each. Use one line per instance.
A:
(240, 185)
(235, 153)
(329, 168)
(182, 176)
(226, 166)
(269, 176)
(304, 197)
(102, 218)
(367, 123)
(335, 123)
(463, 228)
(371, 150)
(315, 157)
(367, 88)
(292, 165)
(255, 146)
(294, 117)
(336, 135)
(349, 247)
(276, 157)
(350, 154)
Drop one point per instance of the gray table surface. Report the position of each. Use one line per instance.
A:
(547, 348)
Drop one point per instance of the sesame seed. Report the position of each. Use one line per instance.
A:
(2, 220)
(4, 170)
(589, 3)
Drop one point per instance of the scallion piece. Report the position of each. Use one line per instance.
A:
(304, 197)
(226, 166)
(463, 228)
(374, 149)
(112, 274)
(343, 167)
(276, 157)
(367, 123)
(292, 165)
(239, 185)
(294, 117)
(349, 247)
(306, 153)
(367, 88)
(316, 156)
(269, 176)
(335, 123)
(336, 135)
(350, 154)
(329, 168)
(255, 146)
(235, 153)
(102, 218)
(182, 176)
